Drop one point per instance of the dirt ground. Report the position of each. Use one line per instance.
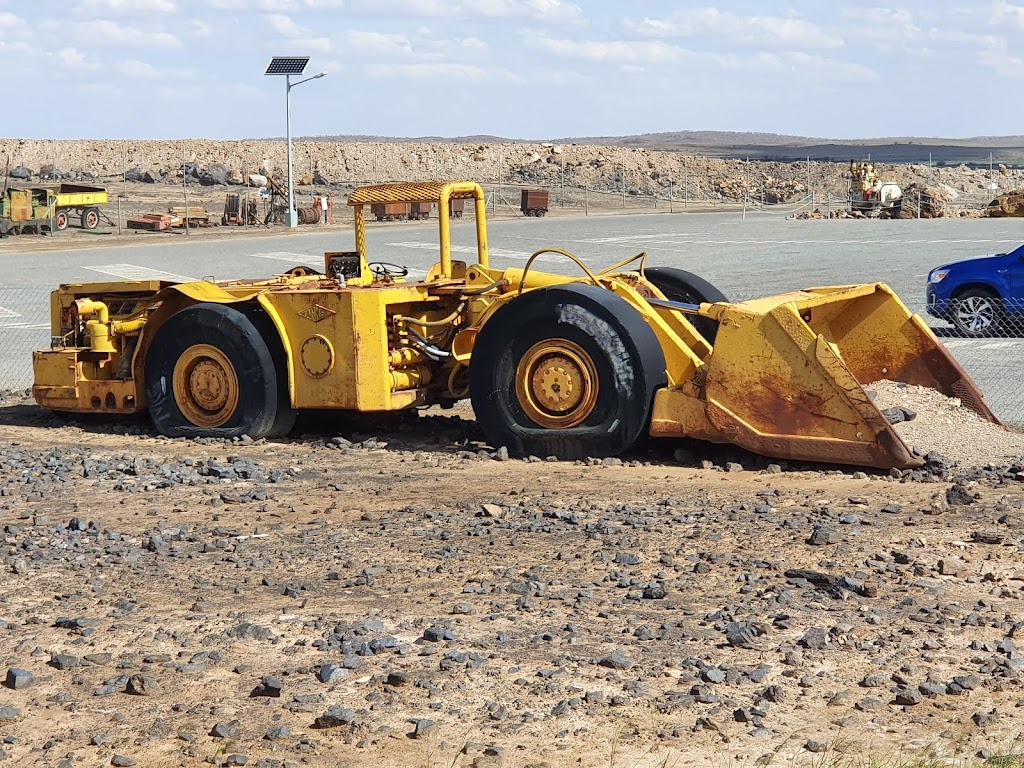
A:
(399, 595)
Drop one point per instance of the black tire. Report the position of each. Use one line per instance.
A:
(627, 361)
(286, 416)
(90, 218)
(235, 337)
(60, 221)
(977, 313)
(679, 285)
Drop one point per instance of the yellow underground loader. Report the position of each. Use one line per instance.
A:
(555, 365)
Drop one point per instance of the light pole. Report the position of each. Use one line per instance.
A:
(288, 66)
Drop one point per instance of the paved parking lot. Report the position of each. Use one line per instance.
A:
(759, 255)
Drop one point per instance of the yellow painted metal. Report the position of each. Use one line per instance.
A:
(21, 204)
(77, 380)
(368, 361)
(440, 192)
(205, 386)
(788, 372)
(557, 383)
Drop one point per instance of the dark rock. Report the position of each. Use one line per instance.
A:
(898, 414)
(21, 173)
(143, 685)
(335, 716)
(7, 712)
(958, 496)
(225, 730)
(19, 679)
(908, 697)
(618, 660)
(268, 686)
(277, 733)
(331, 673)
(424, 729)
(743, 634)
(62, 661)
(814, 638)
(892, 509)
(823, 535)
(121, 760)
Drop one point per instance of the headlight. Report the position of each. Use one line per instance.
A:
(937, 275)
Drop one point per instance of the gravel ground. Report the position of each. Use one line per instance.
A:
(944, 425)
(408, 597)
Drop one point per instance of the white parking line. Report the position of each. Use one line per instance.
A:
(135, 272)
(5, 312)
(499, 253)
(291, 258)
(23, 326)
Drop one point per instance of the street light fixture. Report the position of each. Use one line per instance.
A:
(288, 66)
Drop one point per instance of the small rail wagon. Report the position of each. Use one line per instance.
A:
(53, 207)
(534, 202)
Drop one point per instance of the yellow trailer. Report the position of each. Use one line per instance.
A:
(51, 206)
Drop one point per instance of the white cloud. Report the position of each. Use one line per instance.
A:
(285, 25)
(996, 56)
(761, 30)
(533, 10)
(299, 37)
(474, 44)
(93, 8)
(613, 51)
(107, 32)
(1005, 13)
(200, 28)
(275, 6)
(136, 68)
(9, 23)
(429, 70)
(369, 43)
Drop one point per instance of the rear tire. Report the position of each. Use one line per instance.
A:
(567, 371)
(90, 218)
(978, 313)
(679, 285)
(209, 373)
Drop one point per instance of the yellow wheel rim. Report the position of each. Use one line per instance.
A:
(556, 383)
(205, 386)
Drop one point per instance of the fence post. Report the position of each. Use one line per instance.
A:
(828, 204)
(119, 215)
(919, 203)
(586, 201)
(671, 186)
(744, 205)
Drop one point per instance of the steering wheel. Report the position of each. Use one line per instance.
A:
(384, 269)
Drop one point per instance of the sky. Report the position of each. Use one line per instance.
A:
(523, 69)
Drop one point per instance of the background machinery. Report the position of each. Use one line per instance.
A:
(871, 195)
(54, 207)
(569, 366)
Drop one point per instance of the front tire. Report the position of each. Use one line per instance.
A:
(61, 220)
(567, 371)
(209, 373)
(977, 313)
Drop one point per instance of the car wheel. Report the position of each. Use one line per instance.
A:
(977, 313)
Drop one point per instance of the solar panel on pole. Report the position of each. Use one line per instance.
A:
(287, 65)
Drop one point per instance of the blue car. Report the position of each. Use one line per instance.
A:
(983, 296)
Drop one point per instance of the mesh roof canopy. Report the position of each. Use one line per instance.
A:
(287, 65)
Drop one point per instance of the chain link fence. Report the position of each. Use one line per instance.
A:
(984, 333)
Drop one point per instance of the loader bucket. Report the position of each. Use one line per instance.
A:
(787, 376)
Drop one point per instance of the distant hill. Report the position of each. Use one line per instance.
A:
(973, 151)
